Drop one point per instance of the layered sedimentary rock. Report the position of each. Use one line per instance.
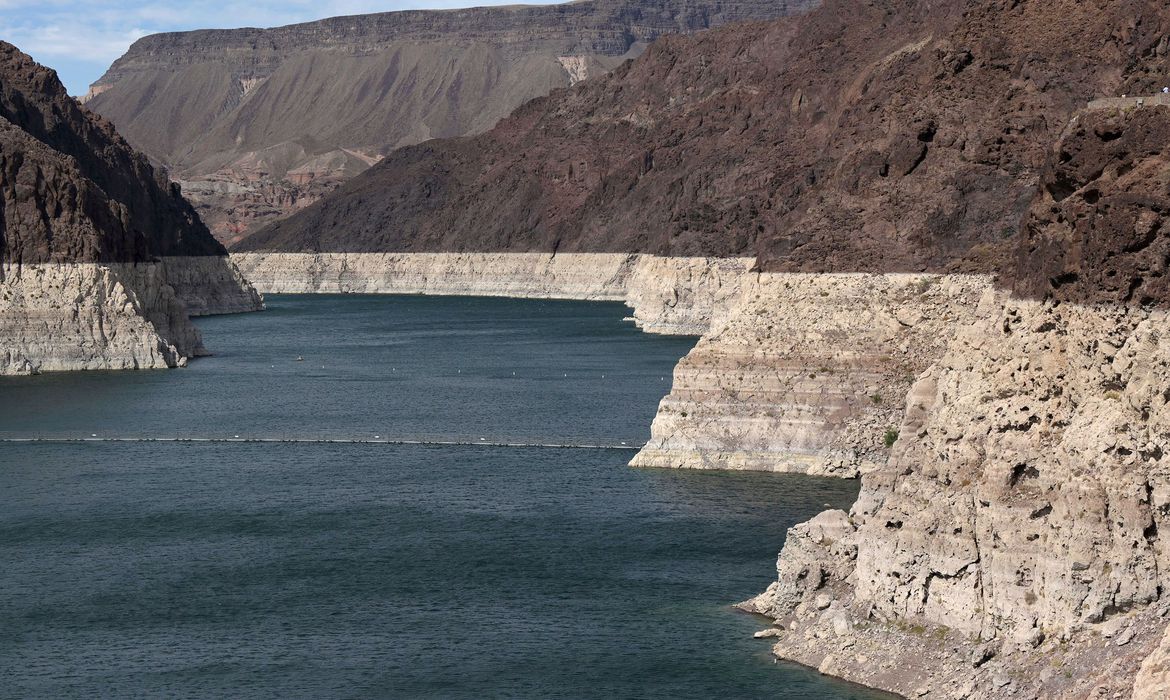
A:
(677, 296)
(1012, 544)
(56, 317)
(210, 284)
(258, 123)
(806, 372)
(1017, 520)
(91, 239)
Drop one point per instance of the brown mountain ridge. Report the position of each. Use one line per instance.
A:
(257, 123)
(892, 135)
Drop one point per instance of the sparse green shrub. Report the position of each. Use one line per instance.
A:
(890, 438)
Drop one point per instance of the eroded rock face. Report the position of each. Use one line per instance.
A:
(1097, 231)
(1023, 506)
(88, 316)
(102, 259)
(891, 136)
(673, 296)
(259, 123)
(806, 372)
(72, 189)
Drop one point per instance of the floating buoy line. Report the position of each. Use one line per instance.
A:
(375, 440)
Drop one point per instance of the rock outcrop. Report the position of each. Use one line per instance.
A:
(1012, 545)
(258, 123)
(102, 258)
(58, 317)
(806, 372)
(1097, 232)
(1017, 519)
(673, 296)
(890, 136)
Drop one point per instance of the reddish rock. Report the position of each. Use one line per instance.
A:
(887, 135)
(72, 190)
(1097, 230)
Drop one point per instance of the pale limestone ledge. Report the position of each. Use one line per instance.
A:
(1012, 546)
(62, 317)
(59, 317)
(212, 284)
(669, 295)
(807, 372)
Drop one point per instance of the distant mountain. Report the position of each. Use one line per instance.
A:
(888, 135)
(257, 123)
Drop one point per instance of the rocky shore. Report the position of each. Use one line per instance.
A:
(674, 296)
(56, 317)
(101, 259)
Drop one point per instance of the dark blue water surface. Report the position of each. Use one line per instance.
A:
(261, 570)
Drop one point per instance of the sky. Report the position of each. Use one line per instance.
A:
(81, 38)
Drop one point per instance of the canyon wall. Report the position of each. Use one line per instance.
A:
(259, 123)
(1011, 546)
(891, 136)
(806, 372)
(88, 316)
(103, 261)
(675, 296)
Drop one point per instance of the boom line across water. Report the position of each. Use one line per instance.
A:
(567, 445)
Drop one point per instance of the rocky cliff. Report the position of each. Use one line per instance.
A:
(258, 123)
(91, 238)
(898, 135)
(1007, 409)
(673, 296)
(1012, 544)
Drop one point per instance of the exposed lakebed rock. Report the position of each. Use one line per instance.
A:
(806, 372)
(102, 259)
(678, 296)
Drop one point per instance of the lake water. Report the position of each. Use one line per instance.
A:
(356, 568)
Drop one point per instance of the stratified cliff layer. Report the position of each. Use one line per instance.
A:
(806, 372)
(91, 239)
(674, 296)
(59, 317)
(1012, 544)
(898, 135)
(258, 123)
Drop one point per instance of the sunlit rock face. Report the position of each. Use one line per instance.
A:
(101, 260)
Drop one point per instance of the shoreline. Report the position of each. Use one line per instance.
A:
(934, 389)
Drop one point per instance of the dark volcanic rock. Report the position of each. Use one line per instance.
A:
(257, 123)
(72, 190)
(1098, 231)
(887, 135)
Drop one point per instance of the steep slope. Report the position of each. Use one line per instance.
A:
(257, 123)
(1010, 426)
(101, 260)
(1020, 517)
(892, 135)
